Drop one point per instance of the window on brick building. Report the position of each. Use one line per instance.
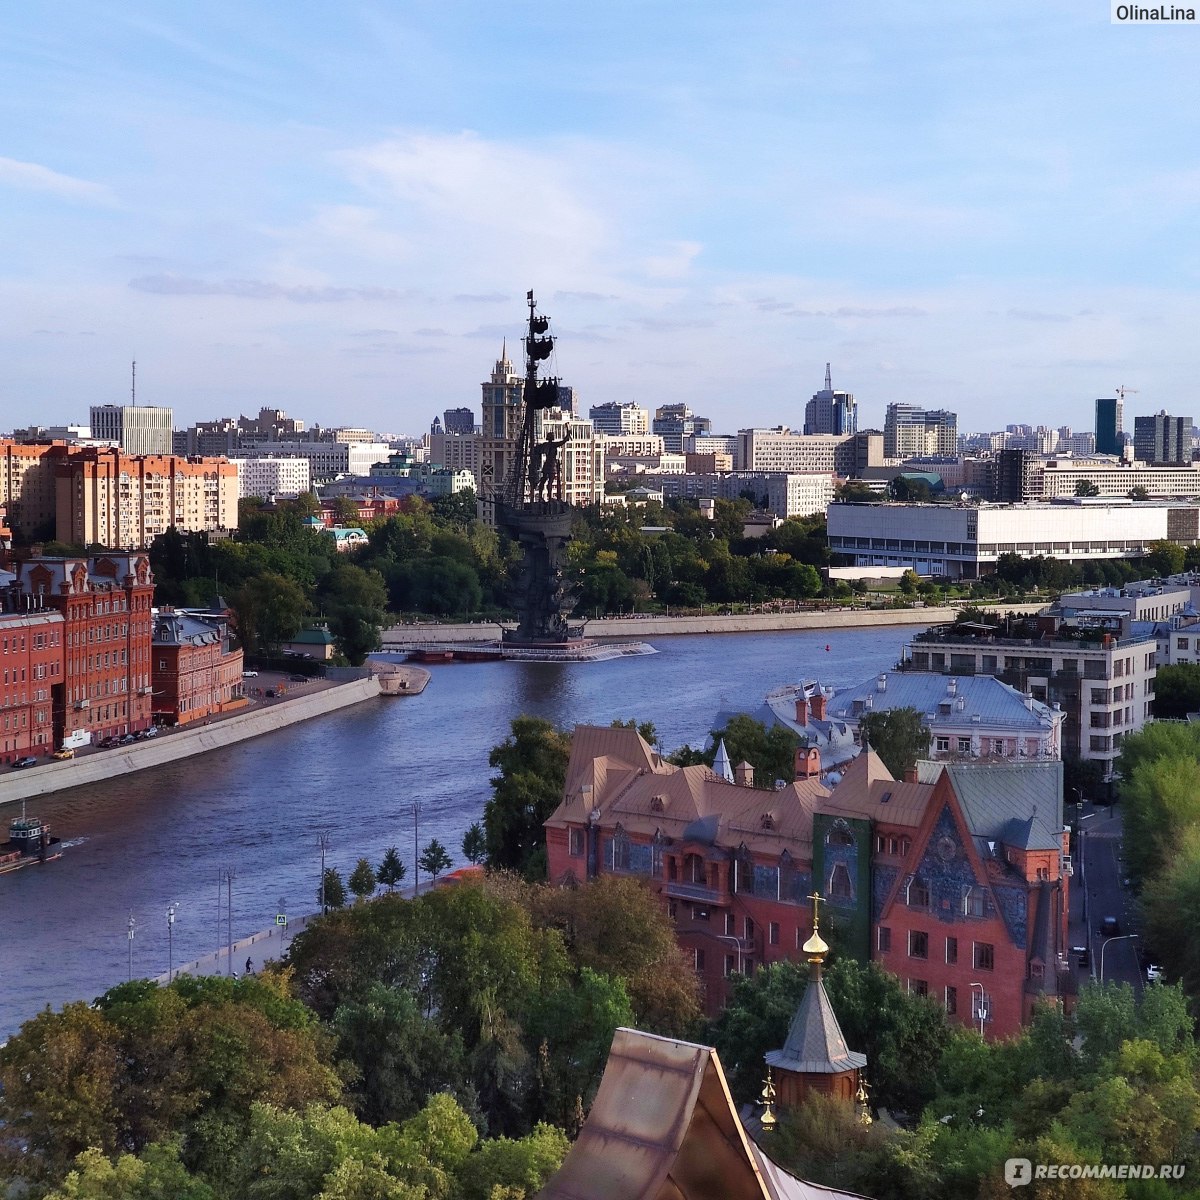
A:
(773, 931)
(698, 959)
(884, 939)
(951, 1000)
(952, 950)
(985, 956)
(918, 893)
(576, 847)
(918, 987)
(730, 924)
(730, 963)
(918, 944)
(749, 928)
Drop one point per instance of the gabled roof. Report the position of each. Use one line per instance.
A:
(997, 797)
(615, 774)
(663, 1127)
(867, 789)
(815, 1043)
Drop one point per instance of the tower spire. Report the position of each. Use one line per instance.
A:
(828, 379)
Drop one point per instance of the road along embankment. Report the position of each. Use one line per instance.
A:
(103, 765)
(399, 637)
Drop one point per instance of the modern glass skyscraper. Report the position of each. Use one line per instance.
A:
(1109, 412)
(831, 412)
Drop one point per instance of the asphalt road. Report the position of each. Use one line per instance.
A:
(1105, 897)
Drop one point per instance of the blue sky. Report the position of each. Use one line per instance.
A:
(338, 209)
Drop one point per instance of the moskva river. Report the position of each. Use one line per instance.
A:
(164, 836)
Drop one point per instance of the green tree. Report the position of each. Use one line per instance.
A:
(155, 1174)
(474, 843)
(771, 752)
(354, 600)
(503, 1168)
(434, 859)
(531, 772)
(899, 736)
(1161, 800)
(909, 582)
(1177, 691)
(854, 492)
(400, 1056)
(362, 879)
(269, 609)
(345, 511)
(1171, 901)
(391, 870)
(1085, 487)
(333, 893)
(1138, 493)
(913, 491)
(1165, 557)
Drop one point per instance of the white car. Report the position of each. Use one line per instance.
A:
(249, 674)
(1153, 973)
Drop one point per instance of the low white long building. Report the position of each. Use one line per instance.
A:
(966, 541)
(264, 477)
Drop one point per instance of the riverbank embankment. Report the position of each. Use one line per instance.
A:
(398, 637)
(103, 765)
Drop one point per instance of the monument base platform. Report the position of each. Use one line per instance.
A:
(583, 650)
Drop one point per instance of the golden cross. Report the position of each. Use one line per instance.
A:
(816, 898)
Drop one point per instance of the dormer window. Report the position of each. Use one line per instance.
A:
(918, 893)
(767, 821)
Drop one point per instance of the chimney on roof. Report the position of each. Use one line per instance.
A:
(743, 774)
(881, 683)
(801, 711)
(910, 776)
(807, 762)
(952, 687)
(817, 704)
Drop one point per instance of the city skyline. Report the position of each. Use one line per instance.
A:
(339, 214)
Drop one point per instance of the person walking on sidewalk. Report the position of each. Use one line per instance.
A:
(249, 966)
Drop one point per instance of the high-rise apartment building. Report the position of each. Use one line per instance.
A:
(271, 476)
(136, 428)
(124, 501)
(459, 420)
(675, 422)
(1162, 439)
(619, 419)
(1109, 413)
(910, 431)
(831, 412)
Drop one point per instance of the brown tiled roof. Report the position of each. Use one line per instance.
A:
(615, 771)
(867, 789)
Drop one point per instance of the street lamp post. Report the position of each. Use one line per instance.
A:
(132, 926)
(416, 809)
(981, 1011)
(728, 937)
(229, 875)
(323, 845)
(1124, 937)
(170, 942)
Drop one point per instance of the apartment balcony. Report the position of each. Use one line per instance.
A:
(695, 892)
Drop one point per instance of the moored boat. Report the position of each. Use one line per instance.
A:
(29, 842)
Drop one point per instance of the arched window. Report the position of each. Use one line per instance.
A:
(841, 885)
(839, 835)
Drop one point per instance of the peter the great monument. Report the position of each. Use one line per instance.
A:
(530, 507)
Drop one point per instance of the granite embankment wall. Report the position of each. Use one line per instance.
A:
(400, 636)
(168, 748)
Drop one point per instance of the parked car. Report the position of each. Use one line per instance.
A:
(1153, 973)
(127, 739)
(298, 678)
(1110, 927)
(271, 693)
(27, 761)
(249, 674)
(63, 754)
(152, 732)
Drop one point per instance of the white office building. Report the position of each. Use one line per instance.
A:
(271, 476)
(136, 428)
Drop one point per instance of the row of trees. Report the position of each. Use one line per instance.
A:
(1159, 769)
(391, 871)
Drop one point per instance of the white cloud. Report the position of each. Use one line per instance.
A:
(35, 177)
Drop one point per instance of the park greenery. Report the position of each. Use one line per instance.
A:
(443, 1047)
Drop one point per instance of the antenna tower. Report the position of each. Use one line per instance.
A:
(828, 379)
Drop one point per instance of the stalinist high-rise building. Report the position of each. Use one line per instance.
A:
(488, 453)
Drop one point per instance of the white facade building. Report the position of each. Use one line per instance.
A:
(962, 541)
(619, 419)
(136, 428)
(326, 460)
(787, 494)
(265, 477)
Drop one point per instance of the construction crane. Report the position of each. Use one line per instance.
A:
(1122, 390)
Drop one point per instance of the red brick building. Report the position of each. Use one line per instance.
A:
(194, 674)
(105, 605)
(31, 664)
(958, 886)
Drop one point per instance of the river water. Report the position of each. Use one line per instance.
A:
(164, 836)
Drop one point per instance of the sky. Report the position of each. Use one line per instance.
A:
(338, 209)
